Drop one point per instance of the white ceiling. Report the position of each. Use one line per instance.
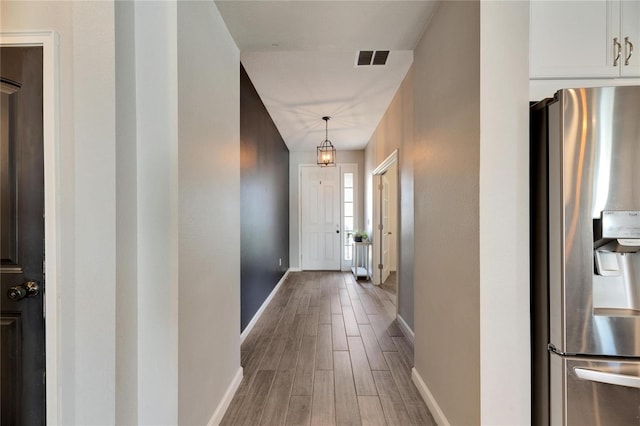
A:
(300, 56)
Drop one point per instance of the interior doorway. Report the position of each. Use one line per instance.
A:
(47, 42)
(386, 220)
(22, 331)
(388, 214)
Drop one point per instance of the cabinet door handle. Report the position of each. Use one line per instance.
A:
(628, 46)
(617, 47)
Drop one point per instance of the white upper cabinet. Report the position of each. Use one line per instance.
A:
(584, 39)
(630, 38)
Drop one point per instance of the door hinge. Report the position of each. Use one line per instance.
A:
(380, 227)
(380, 186)
(380, 266)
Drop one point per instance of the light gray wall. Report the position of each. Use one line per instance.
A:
(395, 131)
(504, 211)
(297, 158)
(471, 190)
(446, 184)
(209, 205)
(157, 186)
(126, 218)
(95, 221)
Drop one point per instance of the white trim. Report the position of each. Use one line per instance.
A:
(434, 408)
(217, 416)
(50, 97)
(256, 317)
(406, 330)
(392, 158)
(295, 269)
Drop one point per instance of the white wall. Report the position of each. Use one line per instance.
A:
(95, 225)
(87, 199)
(135, 204)
(126, 218)
(296, 158)
(209, 205)
(157, 210)
(504, 214)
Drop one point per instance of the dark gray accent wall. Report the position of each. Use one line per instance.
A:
(264, 204)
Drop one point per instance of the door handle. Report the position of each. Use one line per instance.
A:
(28, 289)
(628, 46)
(617, 47)
(609, 378)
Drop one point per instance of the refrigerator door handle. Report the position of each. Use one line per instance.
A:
(609, 378)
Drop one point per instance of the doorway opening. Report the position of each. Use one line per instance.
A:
(386, 214)
(47, 43)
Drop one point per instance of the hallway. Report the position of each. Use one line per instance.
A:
(327, 351)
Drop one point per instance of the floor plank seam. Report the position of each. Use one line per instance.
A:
(282, 356)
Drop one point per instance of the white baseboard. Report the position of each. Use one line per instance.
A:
(295, 269)
(226, 399)
(406, 330)
(256, 317)
(436, 411)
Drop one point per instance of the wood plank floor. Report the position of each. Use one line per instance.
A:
(327, 351)
(390, 287)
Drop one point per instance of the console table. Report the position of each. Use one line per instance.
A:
(360, 271)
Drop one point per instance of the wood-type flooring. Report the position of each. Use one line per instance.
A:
(327, 351)
(390, 287)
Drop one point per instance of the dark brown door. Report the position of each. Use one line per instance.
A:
(22, 350)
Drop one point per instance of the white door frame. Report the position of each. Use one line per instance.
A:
(376, 240)
(48, 40)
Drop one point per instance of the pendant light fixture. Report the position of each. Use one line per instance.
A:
(326, 150)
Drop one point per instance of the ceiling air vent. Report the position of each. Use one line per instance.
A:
(380, 58)
(364, 57)
(370, 57)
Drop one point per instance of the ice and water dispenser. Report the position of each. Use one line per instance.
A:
(616, 282)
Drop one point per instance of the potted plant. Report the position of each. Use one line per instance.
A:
(358, 236)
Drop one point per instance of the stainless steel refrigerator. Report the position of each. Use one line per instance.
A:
(585, 251)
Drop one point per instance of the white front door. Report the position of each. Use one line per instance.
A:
(320, 218)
